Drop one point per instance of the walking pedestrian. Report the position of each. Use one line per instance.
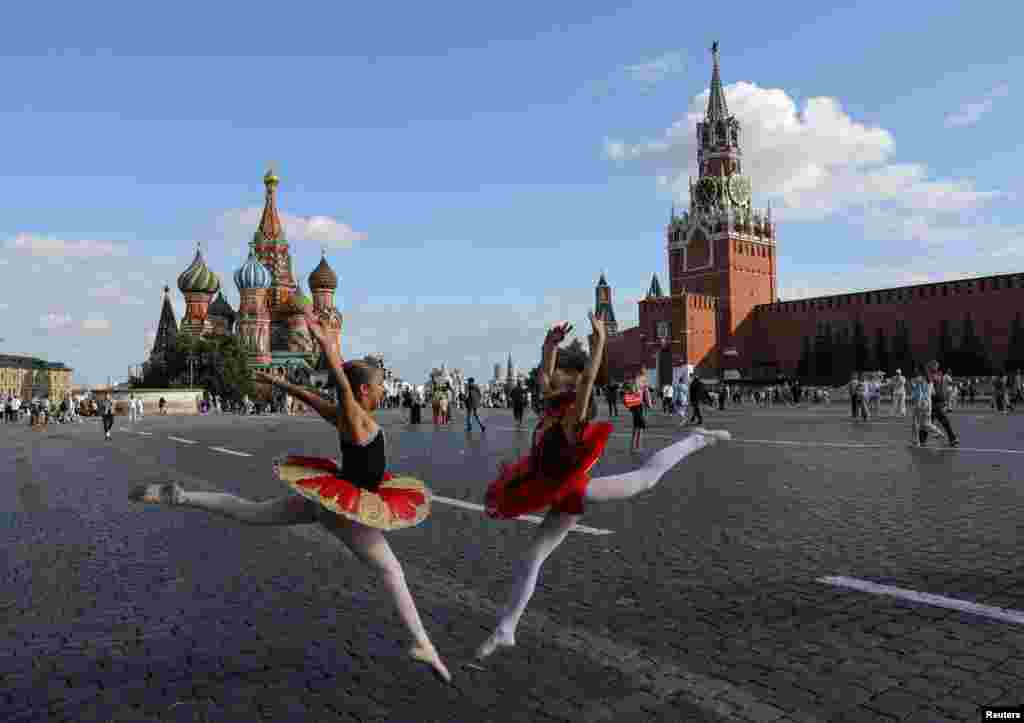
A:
(612, 392)
(634, 402)
(940, 398)
(921, 390)
(162, 404)
(698, 393)
(518, 402)
(666, 399)
(899, 395)
(131, 409)
(107, 413)
(473, 397)
(680, 396)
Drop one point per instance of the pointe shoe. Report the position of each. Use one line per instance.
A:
(428, 655)
(713, 434)
(493, 642)
(165, 494)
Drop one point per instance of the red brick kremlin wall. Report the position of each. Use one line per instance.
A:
(992, 303)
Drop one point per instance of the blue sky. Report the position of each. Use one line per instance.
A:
(472, 169)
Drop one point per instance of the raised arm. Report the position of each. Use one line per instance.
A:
(549, 353)
(327, 410)
(586, 384)
(349, 410)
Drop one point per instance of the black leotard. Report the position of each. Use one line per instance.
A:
(364, 465)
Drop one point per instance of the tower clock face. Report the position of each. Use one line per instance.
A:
(739, 189)
(707, 189)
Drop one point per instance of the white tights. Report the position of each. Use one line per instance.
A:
(556, 526)
(367, 543)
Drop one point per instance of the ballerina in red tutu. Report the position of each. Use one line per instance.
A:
(355, 503)
(556, 473)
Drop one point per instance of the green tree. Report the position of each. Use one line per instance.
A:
(803, 367)
(1015, 357)
(973, 357)
(221, 366)
(860, 347)
(944, 344)
(823, 352)
(881, 351)
(900, 356)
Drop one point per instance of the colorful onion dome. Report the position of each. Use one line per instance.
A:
(197, 278)
(253, 274)
(323, 276)
(221, 307)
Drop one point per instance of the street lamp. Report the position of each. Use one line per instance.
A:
(192, 359)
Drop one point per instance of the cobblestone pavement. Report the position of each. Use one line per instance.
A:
(704, 604)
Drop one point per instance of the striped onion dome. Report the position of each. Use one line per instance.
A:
(198, 278)
(323, 276)
(253, 274)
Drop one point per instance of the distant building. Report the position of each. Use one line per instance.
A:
(27, 377)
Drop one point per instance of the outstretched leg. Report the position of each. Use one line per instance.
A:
(552, 531)
(370, 546)
(287, 510)
(626, 485)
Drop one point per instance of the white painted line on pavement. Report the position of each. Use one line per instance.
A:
(183, 441)
(529, 518)
(145, 434)
(231, 451)
(1006, 615)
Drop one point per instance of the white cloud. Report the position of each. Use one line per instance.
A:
(644, 75)
(96, 326)
(319, 229)
(55, 322)
(812, 163)
(972, 111)
(63, 323)
(656, 70)
(36, 245)
(113, 292)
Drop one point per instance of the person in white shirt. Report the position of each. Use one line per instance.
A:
(132, 409)
(666, 398)
(899, 395)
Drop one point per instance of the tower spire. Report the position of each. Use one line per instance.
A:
(270, 228)
(717, 109)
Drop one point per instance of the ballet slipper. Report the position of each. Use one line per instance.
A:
(494, 641)
(427, 654)
(160, 494)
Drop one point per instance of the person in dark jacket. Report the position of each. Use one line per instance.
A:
(473, 396)
(107, 412)
(698, 393)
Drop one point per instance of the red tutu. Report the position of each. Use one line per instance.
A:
(518, 491)
(396, 503)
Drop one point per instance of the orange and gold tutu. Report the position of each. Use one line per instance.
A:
(519, 490)
(397, 502)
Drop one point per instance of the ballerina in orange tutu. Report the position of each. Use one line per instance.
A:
(355, 503)
(556, 473)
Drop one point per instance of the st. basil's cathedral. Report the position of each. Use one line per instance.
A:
(269, 320)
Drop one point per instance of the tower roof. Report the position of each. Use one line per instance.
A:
(717, 109)
(655, 290)
(270, 228)
(198, 278)
(167, 330)
(323, 276)
(602, 281)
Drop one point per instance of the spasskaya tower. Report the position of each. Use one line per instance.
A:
(722, 246)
